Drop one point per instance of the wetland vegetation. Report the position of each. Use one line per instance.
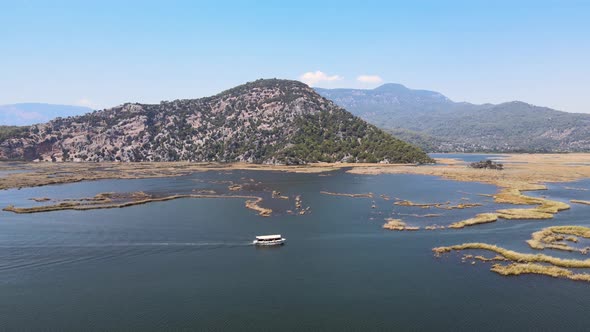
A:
(554, 237)
(121, 200)
(517, 177)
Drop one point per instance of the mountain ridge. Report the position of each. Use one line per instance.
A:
(436, 123)
(265, 121)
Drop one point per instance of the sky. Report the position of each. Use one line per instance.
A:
(104, 53)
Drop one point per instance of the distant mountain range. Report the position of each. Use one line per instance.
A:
(266, 121)
(26, 114)
(438, 124)
(424, 118)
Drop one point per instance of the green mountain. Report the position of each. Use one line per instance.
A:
(437, 124)
(266, 121)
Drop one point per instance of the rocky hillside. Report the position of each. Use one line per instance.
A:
(266, 121)
(436, 123)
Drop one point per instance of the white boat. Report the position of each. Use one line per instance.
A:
(269, 240)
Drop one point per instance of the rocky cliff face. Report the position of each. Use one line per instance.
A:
(266, 121)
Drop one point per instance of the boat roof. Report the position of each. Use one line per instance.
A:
(269, 237)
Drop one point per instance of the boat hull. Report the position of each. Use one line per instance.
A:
(269, 243)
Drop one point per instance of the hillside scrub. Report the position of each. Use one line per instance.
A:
(277, 122)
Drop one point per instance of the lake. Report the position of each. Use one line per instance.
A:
(189, 263)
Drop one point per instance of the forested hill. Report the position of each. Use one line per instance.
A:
(266, 121)
(437, 124)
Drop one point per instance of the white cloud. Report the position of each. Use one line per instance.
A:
(369, 79)
(312, 78)
(85, 102)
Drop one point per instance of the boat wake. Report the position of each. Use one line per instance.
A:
(132, 244)
(18, 257)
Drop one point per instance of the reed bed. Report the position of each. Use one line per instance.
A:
(424, 205)
(42, 174)
(398, 225)
(415, 215)
(444, 206)
(482, 218)
(545, 208)
(520, 214)
(459, 206)
(98, 202)
(492, 259)
(367, 195)
(516, 269)
(516, 256)
(521, 263)
(554, 237)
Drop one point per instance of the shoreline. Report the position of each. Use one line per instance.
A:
(42, 174)
(36, 174)
(525, 172)
(522, 171)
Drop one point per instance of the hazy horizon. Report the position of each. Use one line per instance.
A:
(104, 54)
(314, 87)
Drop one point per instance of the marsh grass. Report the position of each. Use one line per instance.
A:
(112, 200)
(521, 214)
(46, 173)
(482, 218)
(554, 237)
(516, 269)
(459, 206)
(493, 259)
(525, 172)
(367, 195)
(545, 208)
(521, 263)
(522, 171)
(444, 206)
(516, 256)
(398, 225)
(415, 215)
(425, 205)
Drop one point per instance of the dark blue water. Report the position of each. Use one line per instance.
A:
(188, 264)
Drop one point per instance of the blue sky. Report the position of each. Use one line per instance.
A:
(108, 52)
